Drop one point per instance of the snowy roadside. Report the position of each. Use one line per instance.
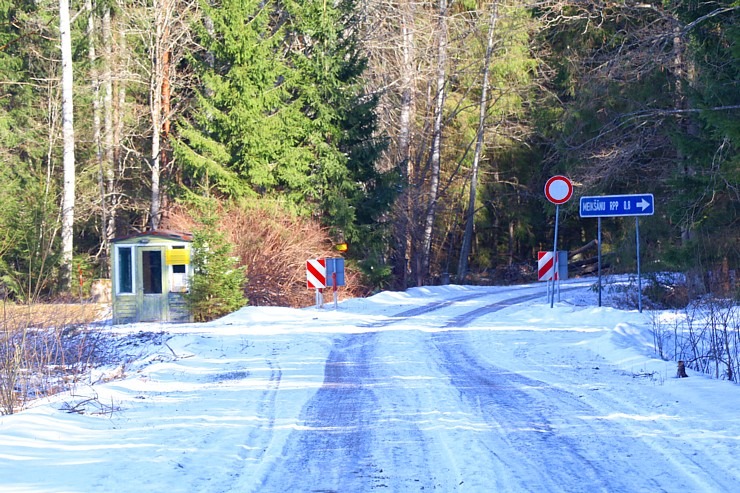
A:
(217, 406)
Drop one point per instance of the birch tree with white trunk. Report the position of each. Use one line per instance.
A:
(68, 135)
(435, 158)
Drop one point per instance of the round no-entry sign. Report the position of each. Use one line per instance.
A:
(558, 189)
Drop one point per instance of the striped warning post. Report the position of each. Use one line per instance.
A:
(546, 266)
(315, 273)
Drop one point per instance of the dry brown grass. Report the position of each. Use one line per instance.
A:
(45, 349)
(49, 314)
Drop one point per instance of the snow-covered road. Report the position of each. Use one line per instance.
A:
(440, 389)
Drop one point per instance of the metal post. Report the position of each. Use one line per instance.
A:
(639, 278)
(319, 298)
(557, 276)
(598, 256)
(334, 288)
(555, 255)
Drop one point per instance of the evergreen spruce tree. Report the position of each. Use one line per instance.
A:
(354, 193)
(282, 113)
(28, 202)
(217, 284)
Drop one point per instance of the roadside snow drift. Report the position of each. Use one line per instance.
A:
(435, 389)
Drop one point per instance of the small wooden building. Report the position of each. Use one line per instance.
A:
(151, 271)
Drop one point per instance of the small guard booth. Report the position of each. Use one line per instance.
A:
(151, 271)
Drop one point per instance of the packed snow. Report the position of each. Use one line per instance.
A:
(450, 388)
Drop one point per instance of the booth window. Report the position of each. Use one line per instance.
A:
(179, 282)
(125, 270)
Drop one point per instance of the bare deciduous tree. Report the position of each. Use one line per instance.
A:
(163, 28)
(462, 266)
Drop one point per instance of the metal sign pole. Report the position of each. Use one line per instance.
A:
(334, 288)
(558, 190)
(319, 298)
(555, 255)
(598, 257)
(639, 278)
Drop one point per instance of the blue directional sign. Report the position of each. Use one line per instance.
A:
(618, 205)
(334, 265)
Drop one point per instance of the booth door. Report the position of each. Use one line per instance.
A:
(150, 278)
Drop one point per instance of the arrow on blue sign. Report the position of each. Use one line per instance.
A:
(618, 205)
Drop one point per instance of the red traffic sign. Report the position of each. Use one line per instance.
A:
(558, 189)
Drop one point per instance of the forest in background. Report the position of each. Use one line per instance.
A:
(420, 133)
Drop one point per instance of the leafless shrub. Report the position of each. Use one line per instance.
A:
(662, 335)
(274, 246)
(44, 350)
(89, 404)
(705, 335)
(659, 291)
(621, 294)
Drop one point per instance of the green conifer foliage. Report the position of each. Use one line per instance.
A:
(704, 188)
(28, 199)
(281, 112)
(217, 285)
(29, 246)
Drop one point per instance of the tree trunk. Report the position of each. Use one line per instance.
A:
(158, 50)
(680, 104)
(462, 266)
(96, 134)
(118, 91)
(156, 111)
(435, 156)
(108, 154)
(404, 135)
(165, 129)
(102, 118)
(512, 243)
(165, 33)
(68, 196)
